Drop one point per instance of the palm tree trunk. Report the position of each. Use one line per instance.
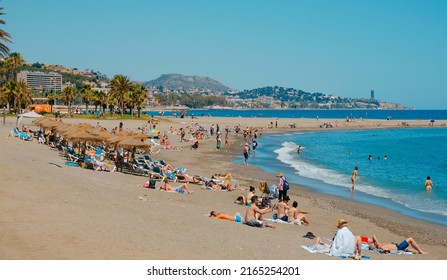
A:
(69, 108)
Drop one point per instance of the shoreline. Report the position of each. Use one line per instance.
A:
(381, 216)
(82, 214)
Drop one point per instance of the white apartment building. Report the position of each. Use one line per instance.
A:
(40, 81)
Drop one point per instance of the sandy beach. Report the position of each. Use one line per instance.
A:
(49, 210)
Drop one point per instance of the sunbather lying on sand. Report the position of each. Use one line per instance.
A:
(224, 216)
(221, 187)
(394, 247)
(180, 189)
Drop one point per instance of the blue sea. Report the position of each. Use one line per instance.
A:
(329, 114)
(328, 158)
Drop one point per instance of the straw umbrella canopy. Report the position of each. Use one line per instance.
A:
(141, 136)
(80, 136)
(63, 127)
(115, 139)
(39, 120)
(104, 134)
(71, 130)
(51, 124)
(42, 121)
(131, 143)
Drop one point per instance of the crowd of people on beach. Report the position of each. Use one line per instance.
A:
(257, 206)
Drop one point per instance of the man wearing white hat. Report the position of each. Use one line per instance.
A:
(344, 240)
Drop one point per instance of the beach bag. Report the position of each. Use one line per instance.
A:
(285, 184)
(150, 184)
(265, 202)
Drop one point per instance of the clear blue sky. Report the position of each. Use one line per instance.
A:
(344, 48)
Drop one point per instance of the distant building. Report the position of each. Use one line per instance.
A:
(40, 81)
(372, 94)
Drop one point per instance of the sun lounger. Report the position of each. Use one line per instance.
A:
(99, 165)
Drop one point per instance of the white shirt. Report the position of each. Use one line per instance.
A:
(344, 243)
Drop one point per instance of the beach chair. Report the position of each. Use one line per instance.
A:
(140, 170)
(14, 132)
(73, 158)
(21, 135)
(99, 165)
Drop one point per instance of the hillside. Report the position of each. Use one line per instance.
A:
(301, 99)
(187, 83)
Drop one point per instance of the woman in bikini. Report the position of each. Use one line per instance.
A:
(353, 177)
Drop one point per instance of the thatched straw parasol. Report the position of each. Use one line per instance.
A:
(50, 124)
(83, 136)
(140, 136)
(115, 139)
(133, 143)
(40, 120)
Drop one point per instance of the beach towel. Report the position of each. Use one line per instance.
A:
(325, 249)
(279, 221)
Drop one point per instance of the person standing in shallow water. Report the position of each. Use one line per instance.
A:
(246, 154)
(353, 178)
(428, 184)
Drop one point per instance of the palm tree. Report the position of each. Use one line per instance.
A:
(52, 96)
(4, 37)
(69, 94)
(10, 92)
(140, 95)
(87, 96)
(12, 62)
(23, 95)
(99, 98)
(119, 86)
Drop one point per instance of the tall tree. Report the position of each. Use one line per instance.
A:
(10, 93)
(69, 94)
(4, 37)
(141, 95)
(135, 98)
(13, 61)
(119, 86)
(23, 96)
(87, 95)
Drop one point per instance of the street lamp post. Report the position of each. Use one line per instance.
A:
(4, 115)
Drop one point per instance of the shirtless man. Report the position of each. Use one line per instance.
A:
(246, 154)
(180, 189)
(253, 216)
(282, 209)
(224, 216)
(393, 247)
(297, 215)
(353, 177)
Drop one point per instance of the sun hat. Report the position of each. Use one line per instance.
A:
(279, 174)
(341, 222)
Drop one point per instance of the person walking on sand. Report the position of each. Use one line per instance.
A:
(281, 191)
(353, 177)
(246, 154)
(218, 141)
(428, 184)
